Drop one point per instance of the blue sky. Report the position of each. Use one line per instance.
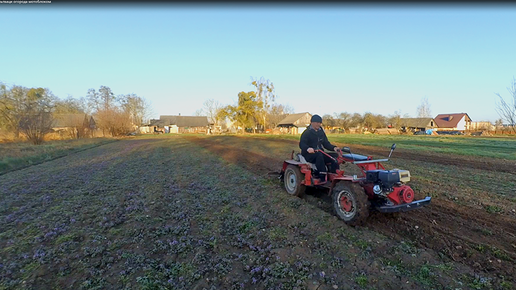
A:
(321, 58)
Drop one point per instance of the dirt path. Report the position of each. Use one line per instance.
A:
(484, 241)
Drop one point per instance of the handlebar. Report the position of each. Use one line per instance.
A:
(318, 150)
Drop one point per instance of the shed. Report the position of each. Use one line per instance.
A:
(295, 123)
(416, 124)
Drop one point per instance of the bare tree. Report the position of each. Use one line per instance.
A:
(329, 121)
(356, 120)
(107, 97)
(278, 112)
(135, 106)
(93, 100)
(70, 105)
(210, 108)
(344, 120)
(507, 109)
(116, 121)
(373, 121)
(423, 110)
(36, 126)
(395, 119)
(199, 112)
(104, 108)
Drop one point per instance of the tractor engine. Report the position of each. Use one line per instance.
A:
(389, 184)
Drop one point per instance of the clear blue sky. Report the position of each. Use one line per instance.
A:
(321, 58)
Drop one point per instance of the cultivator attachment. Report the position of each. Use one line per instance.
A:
(405, 207)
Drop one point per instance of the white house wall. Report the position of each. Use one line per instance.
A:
(462, 123)
(174, 129)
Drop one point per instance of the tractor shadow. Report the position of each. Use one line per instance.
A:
(319, 198)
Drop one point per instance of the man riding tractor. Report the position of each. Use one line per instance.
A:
(353, 196)
(312, 142)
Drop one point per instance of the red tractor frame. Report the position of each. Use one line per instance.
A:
(354, 196)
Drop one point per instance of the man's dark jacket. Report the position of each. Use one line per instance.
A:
(314, 139)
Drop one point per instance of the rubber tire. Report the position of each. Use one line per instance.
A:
(359, 201)
(293, 176)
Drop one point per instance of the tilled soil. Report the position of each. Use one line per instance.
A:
(482, 240)
(158, 213)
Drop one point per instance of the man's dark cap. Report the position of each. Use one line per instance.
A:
(316, 118)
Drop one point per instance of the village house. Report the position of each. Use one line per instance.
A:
(416, 124)
(295, 123)
(177, 124)
(453, 122)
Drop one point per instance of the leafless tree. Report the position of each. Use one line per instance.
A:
(507, 109)
(112, 118)
(115, 121)
(329, 121)
(278, 112)
(356, 120)
(395, 119)
(423, 110)
(211, 108)
(199, 112)
(70, 105)
(36, 126)
(135, 106)
(343, 120)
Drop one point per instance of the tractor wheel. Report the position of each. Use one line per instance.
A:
(350, 203)
(292, 180)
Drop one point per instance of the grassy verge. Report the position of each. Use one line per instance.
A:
(14, 156)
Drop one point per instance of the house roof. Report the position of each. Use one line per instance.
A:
(449, 120)
(70, 120)
(181, 121)
(415, 122)
(292, 119)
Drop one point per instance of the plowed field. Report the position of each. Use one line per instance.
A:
(464, 231)
(202, 212)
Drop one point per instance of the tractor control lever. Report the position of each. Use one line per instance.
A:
(392, 149)
(318, 150)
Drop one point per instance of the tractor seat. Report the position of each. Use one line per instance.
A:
(303, 160)
(355, 157)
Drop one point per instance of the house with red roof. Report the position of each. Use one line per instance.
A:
(453, 122)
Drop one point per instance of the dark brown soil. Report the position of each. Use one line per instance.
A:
(475, 238)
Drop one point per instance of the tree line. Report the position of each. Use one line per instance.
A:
(257, 111)
(32, 111)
